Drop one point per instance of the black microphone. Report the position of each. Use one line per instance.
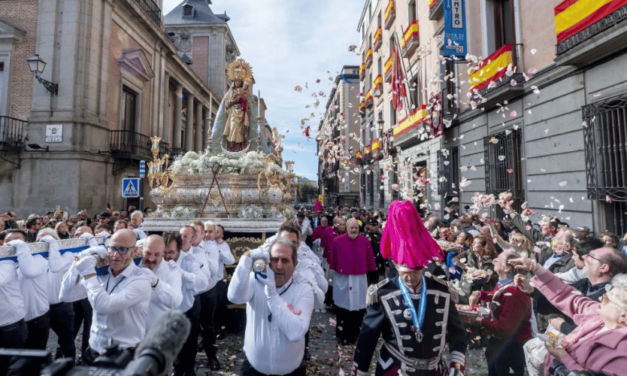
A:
(165, 339)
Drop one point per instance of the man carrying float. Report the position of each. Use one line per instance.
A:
(413, 312)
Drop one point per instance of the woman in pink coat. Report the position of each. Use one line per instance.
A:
(599, 343)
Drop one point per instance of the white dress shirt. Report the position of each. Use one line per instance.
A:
(120, 307)
(58, 265)
(207, 253)
(226, 258)
(71, 289)
(32, 273)
(308, 272)
(272, 347)
(166, 295)
(194, 281)
(12, 307)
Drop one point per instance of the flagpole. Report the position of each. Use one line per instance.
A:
(397, 46)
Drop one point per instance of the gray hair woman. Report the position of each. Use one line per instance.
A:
(599, 343)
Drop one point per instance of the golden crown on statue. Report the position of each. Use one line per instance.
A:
(240, 70)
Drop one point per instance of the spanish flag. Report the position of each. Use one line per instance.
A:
(573, 16)
(491, 68)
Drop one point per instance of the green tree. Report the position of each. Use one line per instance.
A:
(306, 191)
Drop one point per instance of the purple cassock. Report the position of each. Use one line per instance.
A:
(351, 257)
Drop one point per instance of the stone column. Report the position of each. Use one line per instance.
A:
(199, 135)
(178, 109)
(164, 132)
(189, 129)
(206, 128)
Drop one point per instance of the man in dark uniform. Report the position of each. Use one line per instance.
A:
(414, 312)
(374, 235)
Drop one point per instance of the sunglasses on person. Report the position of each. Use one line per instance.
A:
(121, 250)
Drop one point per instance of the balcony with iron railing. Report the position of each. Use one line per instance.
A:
(436, 8)
(151, 9)
(390, 14)
(377, 39)
(589, 31)
(132, 145)
(12, 133)
(411, 39)
(369, 58)
(387, 70)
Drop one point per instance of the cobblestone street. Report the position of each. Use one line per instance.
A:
(327, 357)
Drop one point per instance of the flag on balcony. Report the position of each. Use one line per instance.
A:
(574, 16)
(398, 79)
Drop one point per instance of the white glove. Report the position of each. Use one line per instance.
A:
(86, 266)
(173, 265)
(103, 234)
(86, 236)
(99, 250)
(260, 253)
(153, 279)
(268, 281)
(52, 242)
(20, 246)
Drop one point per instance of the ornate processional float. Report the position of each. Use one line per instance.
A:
(238, 180)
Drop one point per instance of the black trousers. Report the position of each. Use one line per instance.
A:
(82, 316)
(186, 359)
(62, 323)
(503, 355)
(248, 370)
(221, 312)
(12, 336)
(38, 332)
(348, 324)
(208, 303)
(36, 339)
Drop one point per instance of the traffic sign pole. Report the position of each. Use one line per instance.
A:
(142, 175)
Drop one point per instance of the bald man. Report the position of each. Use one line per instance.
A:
(120, 296)
(351, 257)
(166, 277)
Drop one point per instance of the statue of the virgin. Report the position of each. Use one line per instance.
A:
(237, 102)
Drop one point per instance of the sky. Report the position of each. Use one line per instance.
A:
(290, 43)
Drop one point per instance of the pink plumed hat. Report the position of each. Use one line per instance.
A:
(406, 240)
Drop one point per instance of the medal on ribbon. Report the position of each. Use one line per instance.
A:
(417, 318)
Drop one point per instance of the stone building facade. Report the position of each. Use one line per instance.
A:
(336, 179)
(121, 80)
(549, 130)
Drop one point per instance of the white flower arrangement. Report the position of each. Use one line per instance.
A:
(250, 212)
(287, 211)
(182, 212)
(193, 163)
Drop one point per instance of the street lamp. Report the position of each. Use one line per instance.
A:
(37, 66)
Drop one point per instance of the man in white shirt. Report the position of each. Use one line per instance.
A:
(13, 330)
(226, 258)
(194, 282)
(278, 311)
(33, 278)
(167, 294)
(82, 309)
(205, 246)
(61, 313)
(120, 297)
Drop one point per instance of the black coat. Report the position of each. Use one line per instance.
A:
(385, 318)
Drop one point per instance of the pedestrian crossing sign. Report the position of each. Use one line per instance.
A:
(130, 187)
